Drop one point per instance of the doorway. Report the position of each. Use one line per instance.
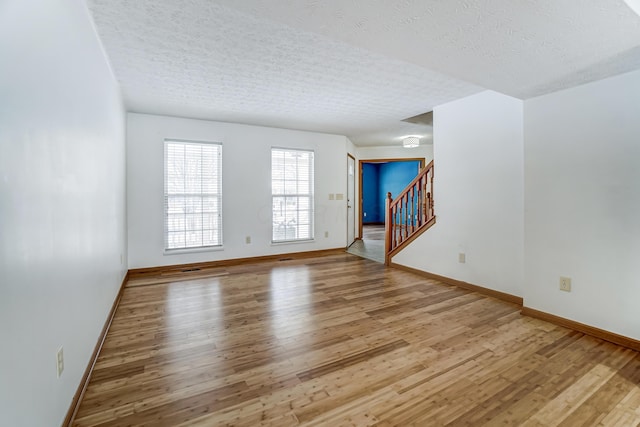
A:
(377, 177)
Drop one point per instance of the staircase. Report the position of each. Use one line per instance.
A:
(410, 214)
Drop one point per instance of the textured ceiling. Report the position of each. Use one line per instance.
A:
(195, 58)
(354, 67)
(522, 48)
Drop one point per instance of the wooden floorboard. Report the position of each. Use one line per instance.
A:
(340, 340)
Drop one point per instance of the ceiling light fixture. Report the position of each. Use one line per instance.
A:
(411, 142)
(634, 5)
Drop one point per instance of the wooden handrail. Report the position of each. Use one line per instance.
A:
(410, 214)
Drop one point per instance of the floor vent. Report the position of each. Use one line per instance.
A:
(188, 270)
(285, 259)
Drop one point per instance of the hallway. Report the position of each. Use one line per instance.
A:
(372, 244)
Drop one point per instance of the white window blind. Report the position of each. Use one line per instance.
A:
(192, 194)
(292, 194)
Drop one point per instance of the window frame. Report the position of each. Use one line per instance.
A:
(310, 196)
(218, 196)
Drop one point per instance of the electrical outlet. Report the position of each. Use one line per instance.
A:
(60, 361)
(365, 215)
(339, 196)
(247, 240)
(462, 258)
(326, 234)
(565, 284)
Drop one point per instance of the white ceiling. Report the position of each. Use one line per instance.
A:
(354, 67)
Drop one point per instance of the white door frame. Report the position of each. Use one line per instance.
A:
(351, 199)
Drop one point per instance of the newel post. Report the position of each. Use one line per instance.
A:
(387, 229)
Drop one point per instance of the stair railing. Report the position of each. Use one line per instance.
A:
(410, 214)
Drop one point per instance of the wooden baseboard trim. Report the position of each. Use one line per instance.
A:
(177, 268)
(631, 343)
(84, 382)
(464, 285)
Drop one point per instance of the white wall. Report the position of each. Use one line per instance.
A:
(351, 148)
(582, 176)
(371, 153)
(62, 204)
(478, 194)
(246, 181)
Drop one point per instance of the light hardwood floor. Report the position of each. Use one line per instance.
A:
(341, 340)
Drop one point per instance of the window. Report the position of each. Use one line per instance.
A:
(192, 194)
(291, 194)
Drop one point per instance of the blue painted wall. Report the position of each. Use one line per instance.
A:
(371, 193)
(377, 180)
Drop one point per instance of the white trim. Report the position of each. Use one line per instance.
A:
(292, 242)
(193, 250)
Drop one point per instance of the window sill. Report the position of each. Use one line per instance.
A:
(193, 250)
(292, 242)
